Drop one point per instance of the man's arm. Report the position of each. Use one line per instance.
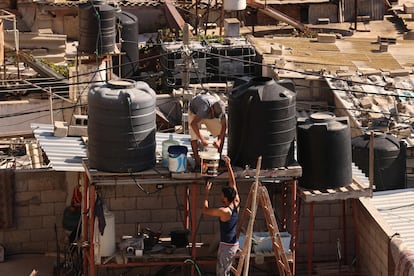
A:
(232, 179)
(194, 125)
(219, 143)
(215, 212)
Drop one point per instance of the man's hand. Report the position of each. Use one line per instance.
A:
(208, 186)
(204, 142)
(217, 144)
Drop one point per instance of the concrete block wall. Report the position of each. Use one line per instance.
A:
(40, 199)
(332, 221)
(163, 209)
(374, 239)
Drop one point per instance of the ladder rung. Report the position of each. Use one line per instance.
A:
(248, 211)
(233, 269)
(277, 245)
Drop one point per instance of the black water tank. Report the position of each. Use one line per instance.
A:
(262, 122)
(389, 160)
(129, 46)
(121, 126)
(324, 151)
(96, 28)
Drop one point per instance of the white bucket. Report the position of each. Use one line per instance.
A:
(209, 163)
(105, 245)
(177, 158)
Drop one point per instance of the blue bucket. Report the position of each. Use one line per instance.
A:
(177, 158)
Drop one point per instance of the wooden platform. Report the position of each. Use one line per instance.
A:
(354, 190)
(160, 174)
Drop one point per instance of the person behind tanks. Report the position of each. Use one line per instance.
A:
(208, 110)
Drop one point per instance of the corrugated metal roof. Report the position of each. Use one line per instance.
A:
(66, 153)
(397, 208)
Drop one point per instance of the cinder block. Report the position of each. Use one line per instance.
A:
(408, 8)
(126, 203)
(44, 209)
(399, 73)
(79, 120)
(53, 196)
(78, 131)
(231, 27)
(326, 38)
(60, 129)
(383, 47)
(409, 35)
(134, 216)
(29, 222)
(42, 235)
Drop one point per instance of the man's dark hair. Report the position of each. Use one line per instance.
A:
(229, 193)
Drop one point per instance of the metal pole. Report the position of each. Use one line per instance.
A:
(51, 105)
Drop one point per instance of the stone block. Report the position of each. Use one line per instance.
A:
(78, 131)
(399, 73)
(231, 27)
(60, 129)
(409, 8)
(383, 47)
(326, 38)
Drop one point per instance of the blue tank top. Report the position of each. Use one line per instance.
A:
(228, 228)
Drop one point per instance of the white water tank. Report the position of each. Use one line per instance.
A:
(234, 5)
(105, 245)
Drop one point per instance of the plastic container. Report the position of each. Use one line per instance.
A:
(209, 162)
(262, 242)
(105, 245)
(165, 144)
(177, 158)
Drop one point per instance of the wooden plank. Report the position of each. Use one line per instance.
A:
(354, 190)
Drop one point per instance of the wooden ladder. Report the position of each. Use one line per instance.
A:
(259, 195)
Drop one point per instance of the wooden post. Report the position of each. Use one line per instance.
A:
(371, 163)
(251, 222)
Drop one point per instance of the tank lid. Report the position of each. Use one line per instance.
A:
(121, 83)
(322, 116)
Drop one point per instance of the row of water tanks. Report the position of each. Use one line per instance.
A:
(262, 122)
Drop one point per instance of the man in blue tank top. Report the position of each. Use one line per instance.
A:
(228, 217)
(208, 110)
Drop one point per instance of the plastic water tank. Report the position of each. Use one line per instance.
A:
(389, 160)
(96, 28)
(262, 122)
(121, 126)
(234, 5)
(128, 63)
(324, 151)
